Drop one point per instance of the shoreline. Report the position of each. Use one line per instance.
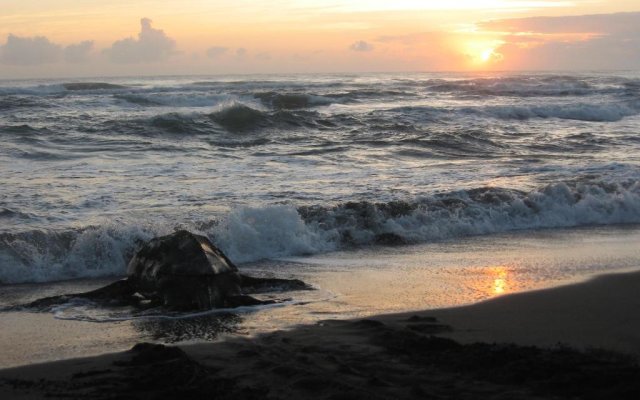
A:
(430, 353)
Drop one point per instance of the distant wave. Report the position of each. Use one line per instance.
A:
(271, 100)
(138, 99)
(231, 118)
(7, 213)
(19, 129)
(253, 233)
(187, 99)
(91, 86)
(588, 112)
(371, 93)
(342, 89)
(525, 86)
(610, 112)
(20, 102)
(393, 123)
(292, 101)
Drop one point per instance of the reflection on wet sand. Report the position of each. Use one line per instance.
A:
(500, 285)
(496, 280)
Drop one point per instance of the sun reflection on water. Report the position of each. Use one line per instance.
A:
(500, 275)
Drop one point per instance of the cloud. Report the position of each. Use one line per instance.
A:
(361, 45)
(78, 53)
(216, 51)
(38, 50)
(264, 56)
(609, 23)
(152, 45)
(604, 41)
(29, 51)
(241, 52)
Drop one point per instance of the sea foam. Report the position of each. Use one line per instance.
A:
(248, 234)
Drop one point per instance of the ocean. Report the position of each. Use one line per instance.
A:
(387, 192)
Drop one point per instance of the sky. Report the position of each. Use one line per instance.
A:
(71, 38)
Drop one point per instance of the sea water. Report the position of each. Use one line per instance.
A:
(388, 192)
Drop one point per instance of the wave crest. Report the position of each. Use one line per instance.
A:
(240, 118)
(252, 233)
(40, 256)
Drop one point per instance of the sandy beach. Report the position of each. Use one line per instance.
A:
(576, 341)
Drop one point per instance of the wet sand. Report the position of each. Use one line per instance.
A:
(601, 313)
(430, 354)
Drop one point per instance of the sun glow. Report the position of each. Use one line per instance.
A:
(385, 5)
(486, 55)
(482, 53)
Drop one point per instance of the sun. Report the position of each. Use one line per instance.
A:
(486, 55)
(482, 53)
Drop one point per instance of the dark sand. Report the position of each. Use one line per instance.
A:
(388, 357)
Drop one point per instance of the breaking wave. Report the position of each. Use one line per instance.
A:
(252, 233)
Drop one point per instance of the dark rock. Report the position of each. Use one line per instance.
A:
(181, 271)
(184, 271)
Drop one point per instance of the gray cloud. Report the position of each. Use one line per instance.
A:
(605, 41)
(361, 45)
(241, 52)
(39, 50)
(29, 51)
(619, 23)
(151, 45)
(216, 51)
(78, 53)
